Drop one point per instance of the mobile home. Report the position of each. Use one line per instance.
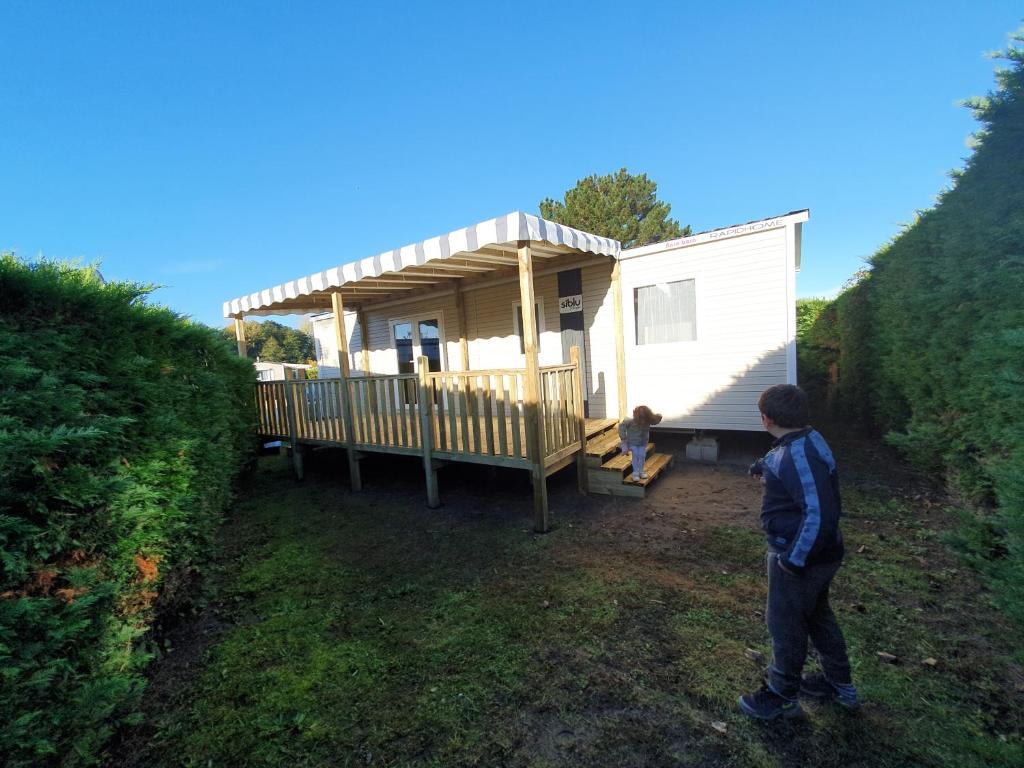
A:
(694, 327)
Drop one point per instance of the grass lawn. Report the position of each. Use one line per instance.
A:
(366, 630)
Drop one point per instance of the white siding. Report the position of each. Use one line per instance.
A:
(327, 350)
(599, 323)
(743, 331)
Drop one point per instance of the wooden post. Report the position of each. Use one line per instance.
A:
(341, 338)
(620, 341)
(364, 337)
(581, 422)
(243, 349)
(424, 406)
(365, 355)
(531, 391)
(293, 428)
(460, 307)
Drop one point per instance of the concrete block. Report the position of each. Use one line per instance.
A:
(702, 449)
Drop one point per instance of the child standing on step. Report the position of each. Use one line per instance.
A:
(634, 434)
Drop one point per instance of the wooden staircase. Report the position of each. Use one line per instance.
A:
(608, 470)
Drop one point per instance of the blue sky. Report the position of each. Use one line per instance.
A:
(220, 148)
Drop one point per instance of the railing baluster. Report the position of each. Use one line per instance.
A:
(382, 414)
(475, 412)
(488, 394)
(517, 438)
(437, 407)
(453, 431)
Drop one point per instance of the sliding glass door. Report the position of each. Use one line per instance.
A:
(418, 336)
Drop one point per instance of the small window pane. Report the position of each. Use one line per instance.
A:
(666, 312)
(430, 343)
(403, 346)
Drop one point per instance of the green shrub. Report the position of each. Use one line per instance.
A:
(122, 428)
(931, 343)
(816, 350)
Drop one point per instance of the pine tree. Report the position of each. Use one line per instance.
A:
(620, 205)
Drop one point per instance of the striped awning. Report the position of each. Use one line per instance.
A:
(483, 247)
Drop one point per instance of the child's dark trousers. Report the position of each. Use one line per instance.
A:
(798, 609)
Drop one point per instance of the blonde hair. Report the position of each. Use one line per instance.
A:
(644, 416)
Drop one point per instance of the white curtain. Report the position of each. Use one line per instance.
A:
(666, 312)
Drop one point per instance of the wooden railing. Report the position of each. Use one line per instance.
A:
(478, 412)
(272, 409)
(472, 415)
(560, 408)
(384, 411)
(318, 410)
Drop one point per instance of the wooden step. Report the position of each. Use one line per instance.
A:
(617, 488)
(621, 462)
(653, 467)
(603, 444)
(597, 426)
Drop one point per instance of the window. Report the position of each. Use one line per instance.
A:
(666, 312)
(418, 336)
(538, 316)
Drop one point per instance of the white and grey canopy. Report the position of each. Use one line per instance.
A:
(469, 252)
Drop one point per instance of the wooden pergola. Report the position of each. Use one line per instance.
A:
(506, 247)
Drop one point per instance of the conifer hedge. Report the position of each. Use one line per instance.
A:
(931, 341)
(122, 429)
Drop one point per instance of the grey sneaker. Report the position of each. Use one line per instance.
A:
(819, 687)
(766, 704)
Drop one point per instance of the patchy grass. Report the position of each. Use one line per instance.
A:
(364, 629)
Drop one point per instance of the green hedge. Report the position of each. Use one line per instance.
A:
(122, 429)
(931, 342)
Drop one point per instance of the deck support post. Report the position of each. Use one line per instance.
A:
(341, 338)
(424, 408)
(243, 348)
(620, 341)
(531, 391)
(293, 428)
(581, 422)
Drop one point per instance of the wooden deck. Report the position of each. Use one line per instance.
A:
(474, 416)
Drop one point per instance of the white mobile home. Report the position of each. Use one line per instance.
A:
(708, 321)
(434, 338)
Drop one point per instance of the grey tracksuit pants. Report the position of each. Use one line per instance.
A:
(798, 609)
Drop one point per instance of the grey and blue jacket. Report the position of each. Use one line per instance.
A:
(801, 507)
(633, 433)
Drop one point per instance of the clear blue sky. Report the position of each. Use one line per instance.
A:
(220, 148)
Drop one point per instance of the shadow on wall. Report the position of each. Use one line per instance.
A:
(732, 404)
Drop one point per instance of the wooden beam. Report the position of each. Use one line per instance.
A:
(364, 337)
(424, 408)
(531, 391)
(449, 265)
(488, 257)
(460, 306)
(393, 278)
(243, 349)
(620, 340)
(341, 339)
